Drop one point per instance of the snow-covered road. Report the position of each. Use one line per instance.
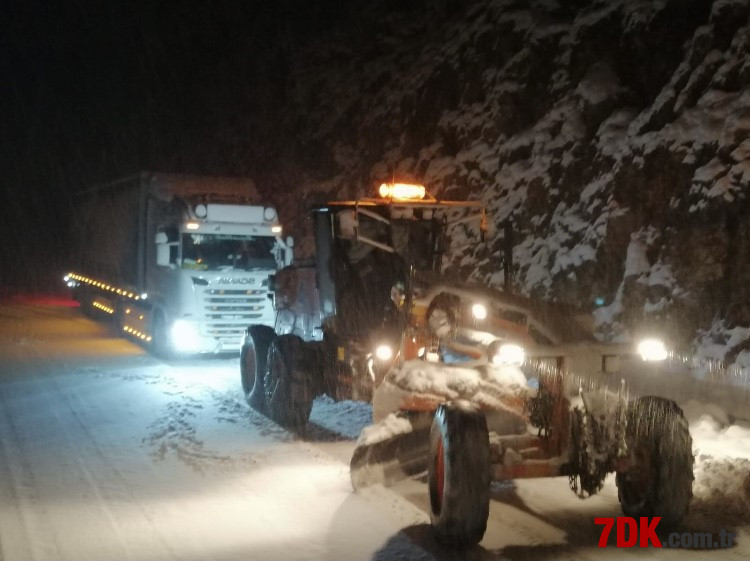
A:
(108, 453)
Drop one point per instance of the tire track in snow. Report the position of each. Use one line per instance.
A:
(105, 479)
(175, 432)
(24, 495)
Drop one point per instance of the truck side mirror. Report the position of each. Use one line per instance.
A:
(162, 255)
(289, 251)
(162, 249)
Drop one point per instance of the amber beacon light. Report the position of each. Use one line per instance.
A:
(401, 191)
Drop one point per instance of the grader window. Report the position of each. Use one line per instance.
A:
(418, 243)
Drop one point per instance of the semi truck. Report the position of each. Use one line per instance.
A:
(178, 262)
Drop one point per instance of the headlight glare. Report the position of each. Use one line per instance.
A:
(509, 353)
(479, 311)
(185, 335)
(384, 352)
(652, 350)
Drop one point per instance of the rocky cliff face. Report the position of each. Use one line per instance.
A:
(609, 138)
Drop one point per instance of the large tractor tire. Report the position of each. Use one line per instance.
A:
(253, 365)
(660, 483)
(86, 300)
(288, 387)
(120, 319)
(459, 475)
(161, 346)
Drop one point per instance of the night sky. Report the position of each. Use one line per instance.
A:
(91, 91)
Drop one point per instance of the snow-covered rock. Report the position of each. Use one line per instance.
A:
(612, 135)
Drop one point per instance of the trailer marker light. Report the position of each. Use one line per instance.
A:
(192, 225)
(136, 333)
(276, 229)
(102, 307)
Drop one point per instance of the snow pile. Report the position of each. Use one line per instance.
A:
(392, 425)
(506, 375)
(722, 486)
(714, 343)
(346, 417)
(722, 463)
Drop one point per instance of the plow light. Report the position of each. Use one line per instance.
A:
(384, 352)
(509, 354)
(479, 311)
(401, 191)
(652, 350)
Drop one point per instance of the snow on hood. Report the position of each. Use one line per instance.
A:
(457, 382)
(488, 386)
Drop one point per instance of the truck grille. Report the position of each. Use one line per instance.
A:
(229, 311)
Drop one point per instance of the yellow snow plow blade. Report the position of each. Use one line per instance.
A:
(392, 450)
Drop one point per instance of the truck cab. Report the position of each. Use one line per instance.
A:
(211, 275)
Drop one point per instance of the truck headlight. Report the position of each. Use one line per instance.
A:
(509, 353)
(479, 311)
(652, 350)
(185, 335)
(384, 352)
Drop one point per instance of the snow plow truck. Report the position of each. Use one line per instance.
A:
(468, 385)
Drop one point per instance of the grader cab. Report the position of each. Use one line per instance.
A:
(345, 317)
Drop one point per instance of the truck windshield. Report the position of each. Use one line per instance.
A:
(209, 252)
